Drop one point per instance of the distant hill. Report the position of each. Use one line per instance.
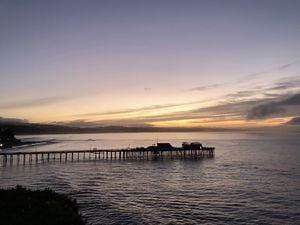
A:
(33, 128)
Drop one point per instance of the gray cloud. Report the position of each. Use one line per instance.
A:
(274, 69)
(135, 122)
(286, 83)
(293, 100)
(272, 108)
(230, 107)
(42, 101)
(224, 110)
(294, 121)
(134, 110)
(264, 108)
(265, 111)
(205, 87)
(76, 123)
(220, 112)
(35, 102)
(241, 94)
(278, 88)
(144, 121)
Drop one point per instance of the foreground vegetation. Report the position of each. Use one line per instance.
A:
(7, 139)
(20, 206)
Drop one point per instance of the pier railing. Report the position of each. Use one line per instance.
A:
(103, 154)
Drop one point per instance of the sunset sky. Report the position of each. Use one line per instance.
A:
(150, 63)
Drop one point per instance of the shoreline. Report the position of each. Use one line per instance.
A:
(26, 144)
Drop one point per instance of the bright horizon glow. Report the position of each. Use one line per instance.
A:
(150, 63)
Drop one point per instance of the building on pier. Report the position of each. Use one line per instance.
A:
(192, 146)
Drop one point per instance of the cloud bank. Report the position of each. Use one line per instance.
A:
(12, 121)
(294, 121)
(272, 108)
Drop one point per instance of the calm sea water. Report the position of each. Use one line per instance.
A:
(253, 179)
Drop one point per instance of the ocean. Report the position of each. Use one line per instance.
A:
(252, 179)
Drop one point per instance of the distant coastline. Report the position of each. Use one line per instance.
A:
(33, 129)
(36, 129)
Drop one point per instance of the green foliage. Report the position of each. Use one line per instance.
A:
(20, 206)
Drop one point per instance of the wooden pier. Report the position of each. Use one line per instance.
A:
(103, 154)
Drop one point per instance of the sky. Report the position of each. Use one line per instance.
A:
(165, 63)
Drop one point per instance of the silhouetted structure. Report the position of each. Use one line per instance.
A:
(7, 138)
(193, 145)
(160, 147)
(159, 151)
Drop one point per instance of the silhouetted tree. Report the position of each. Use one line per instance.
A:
(7, 138)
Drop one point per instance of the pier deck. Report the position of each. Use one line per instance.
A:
(23, 157)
